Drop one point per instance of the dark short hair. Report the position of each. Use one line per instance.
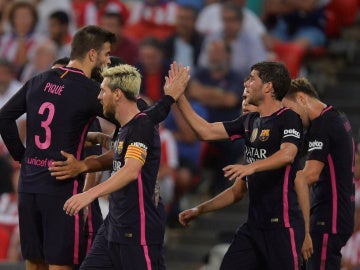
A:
(6, 63)
(302, 85)
(116, 15)
(61, 16)
(277, 74)
(61, 61)
(152, 42)
(20, 4)
(87, 38)
(234, 8)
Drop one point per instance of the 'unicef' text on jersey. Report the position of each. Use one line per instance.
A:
(253, 154)
(291, 132)
(315, 145)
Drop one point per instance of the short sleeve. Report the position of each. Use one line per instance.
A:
(292, 129)
(235, 128)
(140, 139)
(318, 141)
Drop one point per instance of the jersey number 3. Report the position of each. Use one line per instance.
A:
(45, 125)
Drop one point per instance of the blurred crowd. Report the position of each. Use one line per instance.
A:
(219, 40)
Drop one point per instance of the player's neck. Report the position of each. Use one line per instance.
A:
(126, 112)
(315, 108)
(81, 66)
(268, 107)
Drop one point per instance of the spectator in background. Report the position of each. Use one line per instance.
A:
(220, 89)
(91, 12)
(19, 42)
(189, 154)
(153, 69)
(44, 55)
(124, 47)
(299, 26)
(151, 18)
(247, 47)
(8, 205)
(59, 32)
(168, 164)
(9, 85)
(185, 45)
(210, 21)
(46, 7)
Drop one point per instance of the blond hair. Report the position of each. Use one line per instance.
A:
(124, 77)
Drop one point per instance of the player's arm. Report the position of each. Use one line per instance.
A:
(72, 167)
(229, 196)
(204, 130)
(94, 138)
(128, 173)
(286, 155)
(304, 178)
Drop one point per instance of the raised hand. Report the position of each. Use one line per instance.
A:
(177, 80)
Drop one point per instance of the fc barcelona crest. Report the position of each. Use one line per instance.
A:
(264, 135)
(119, 147)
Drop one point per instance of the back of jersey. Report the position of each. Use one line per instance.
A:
(60, 106)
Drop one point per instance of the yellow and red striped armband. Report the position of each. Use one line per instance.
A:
(137, 152)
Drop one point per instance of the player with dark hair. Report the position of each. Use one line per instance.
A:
(273, 137)
(60, 105)
(329, 170)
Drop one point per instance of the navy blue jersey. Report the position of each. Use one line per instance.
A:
(136, 213)
(273, 200)
(332, 196)
(60, 105)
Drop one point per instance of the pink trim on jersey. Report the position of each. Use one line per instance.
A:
(283, 110)
(142, 222)
(324, 251)
(77, 229)
(71, 70)
(82, 139)
(326, 109)
(140, 114)
(334, 194)
(90, 228)
(285, 197)
(234, 137)
(293, 249)
(76, 184)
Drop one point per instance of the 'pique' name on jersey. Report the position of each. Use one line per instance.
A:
(291, 133)
(253, 154)
(315, 145)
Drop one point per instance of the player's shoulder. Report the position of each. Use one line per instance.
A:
(287, 113)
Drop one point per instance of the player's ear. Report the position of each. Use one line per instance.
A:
(301, 98)
(92, 55)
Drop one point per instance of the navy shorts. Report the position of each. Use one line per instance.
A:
(258, 249)
(109, 255)
(327, 251)
(47, 233)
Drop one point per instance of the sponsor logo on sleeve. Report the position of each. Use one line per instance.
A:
(315, 145)
(291, 133)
